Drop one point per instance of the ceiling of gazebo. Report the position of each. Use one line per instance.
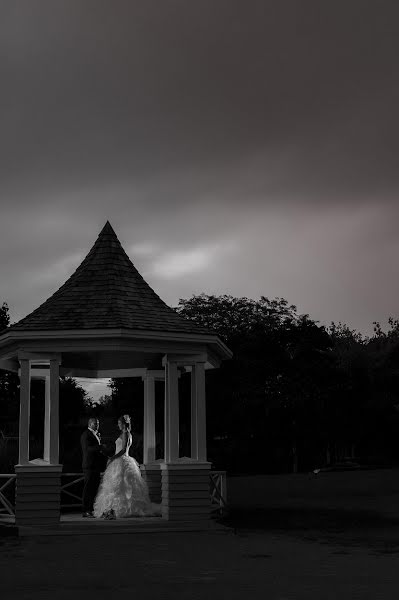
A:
(100, 361)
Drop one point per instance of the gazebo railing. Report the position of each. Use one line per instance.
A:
(218, 490)
(71, 490)
(7, 507)
(66, 490)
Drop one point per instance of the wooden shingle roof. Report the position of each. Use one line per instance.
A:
(106, 292)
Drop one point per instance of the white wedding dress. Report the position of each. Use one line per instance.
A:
(122, 489)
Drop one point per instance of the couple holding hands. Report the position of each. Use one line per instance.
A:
(121, 491)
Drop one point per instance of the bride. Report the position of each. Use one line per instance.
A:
(123, 492)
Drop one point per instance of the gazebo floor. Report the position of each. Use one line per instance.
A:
(75, 524)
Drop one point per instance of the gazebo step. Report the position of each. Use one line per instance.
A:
(79, 526)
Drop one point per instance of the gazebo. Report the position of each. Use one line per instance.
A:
(106, 321)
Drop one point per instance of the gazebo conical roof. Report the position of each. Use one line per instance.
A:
(106, 319)
(106, 291)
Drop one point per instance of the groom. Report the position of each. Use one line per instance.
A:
(92, 464)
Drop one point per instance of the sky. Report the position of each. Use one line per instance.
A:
(239, 147)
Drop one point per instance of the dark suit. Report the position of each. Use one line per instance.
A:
(92, 465)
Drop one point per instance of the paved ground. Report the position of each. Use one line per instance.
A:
(157, 566)
(335, 538)
(196, 566)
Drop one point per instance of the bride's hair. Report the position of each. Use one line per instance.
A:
(125, 420)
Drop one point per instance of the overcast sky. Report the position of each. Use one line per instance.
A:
(241, 147)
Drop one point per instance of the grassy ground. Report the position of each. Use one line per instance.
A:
(297, 538)
(349, 508)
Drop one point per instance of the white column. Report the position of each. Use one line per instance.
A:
(47, 404)
(54, 411)
(24, 412)
(171, 412)
(149, 442)
(198, 412)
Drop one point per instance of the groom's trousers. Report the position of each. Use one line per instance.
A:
(91, 483)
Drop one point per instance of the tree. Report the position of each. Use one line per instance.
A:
(73, 400)
(4, 316)
(382, 424)
(127, 397)
(271, 378)
(234, 318)
(361, 416)
(100, 407)
(9, 381)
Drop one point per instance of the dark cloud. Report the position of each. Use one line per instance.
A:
(256, 139)
(100, 90)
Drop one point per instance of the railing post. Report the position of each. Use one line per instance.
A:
(24, 413)
(149, 443)
(171, 412)
(198, 412)
(47, 411)
(54, 410)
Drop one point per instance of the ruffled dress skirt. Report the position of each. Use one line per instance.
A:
(123, 491)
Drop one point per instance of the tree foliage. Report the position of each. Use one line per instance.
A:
(9, 381)
(4, 316)
(275, 374)
(234, 318)
(127, 395)
(74, 400)
(295, 389)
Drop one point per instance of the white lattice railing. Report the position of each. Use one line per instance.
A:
(71, 489)
(218, 490)
(6, 481)
(66, 489)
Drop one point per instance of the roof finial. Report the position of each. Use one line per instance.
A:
(107, 229)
